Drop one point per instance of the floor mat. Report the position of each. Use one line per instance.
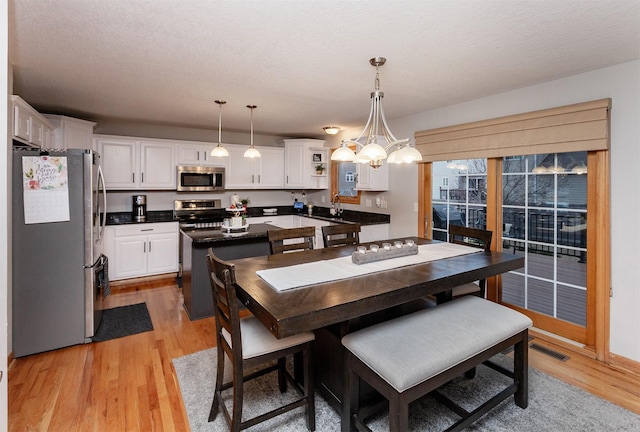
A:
(123, 321)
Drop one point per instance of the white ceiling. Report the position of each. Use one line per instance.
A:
(305, 64)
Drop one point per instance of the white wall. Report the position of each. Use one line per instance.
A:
(622, 84)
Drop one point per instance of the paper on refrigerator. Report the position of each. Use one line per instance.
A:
(45, 185)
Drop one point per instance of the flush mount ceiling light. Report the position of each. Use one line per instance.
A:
(218, 150)
(252, 152)
(331, 130)
(376, 138)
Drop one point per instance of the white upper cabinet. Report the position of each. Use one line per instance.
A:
(302, 157)
(265, 172)
(71, 133)
(374, 180)
(199, 154)
(157, 165)
(130, 164)
(29, 126)
(119, 162)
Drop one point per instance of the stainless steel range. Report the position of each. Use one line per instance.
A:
(198, 214)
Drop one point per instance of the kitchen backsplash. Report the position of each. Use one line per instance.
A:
(120, 201)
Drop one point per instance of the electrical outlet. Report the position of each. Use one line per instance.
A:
(367, 203)
(415, 207)
(323, 199)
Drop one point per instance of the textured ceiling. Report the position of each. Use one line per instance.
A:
(305, 64)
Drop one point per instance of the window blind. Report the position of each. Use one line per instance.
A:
(579, 127)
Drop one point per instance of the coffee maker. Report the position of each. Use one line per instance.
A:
(139, 208)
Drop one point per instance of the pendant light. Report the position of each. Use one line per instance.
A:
(252, 152)
(218, 150)
(376, 137)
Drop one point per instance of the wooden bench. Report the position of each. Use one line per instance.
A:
(411, 356)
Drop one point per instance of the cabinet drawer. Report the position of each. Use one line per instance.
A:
(146, 228)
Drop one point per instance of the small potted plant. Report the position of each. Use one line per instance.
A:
(244, 202)
(319, 169)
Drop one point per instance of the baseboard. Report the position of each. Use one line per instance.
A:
(10, 359)
(122, 282)
(615, 361)
(625, 363)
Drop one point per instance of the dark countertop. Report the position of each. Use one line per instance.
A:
(321, 213)
(218, 235)
(125, 218)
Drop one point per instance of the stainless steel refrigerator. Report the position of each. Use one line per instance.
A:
(57, 265)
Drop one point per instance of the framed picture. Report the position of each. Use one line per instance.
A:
(317, 157)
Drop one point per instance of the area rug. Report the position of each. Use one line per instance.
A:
(553, 404)
(123, 321)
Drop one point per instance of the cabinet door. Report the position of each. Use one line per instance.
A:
(157, 165)
(318, 224)
(119, 163)
(21, 123)
(270, 174)
(199, 154)
(130, 256)
(37, 132)
(162, 253)
(77, 135)
(294, 166)
(240, 173)
(370, 179)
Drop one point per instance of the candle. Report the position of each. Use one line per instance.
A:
(362, 249)
(398, 244)
(373, 248)
(409, 242)
(386, 246)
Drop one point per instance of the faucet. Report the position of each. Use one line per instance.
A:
(338, 207)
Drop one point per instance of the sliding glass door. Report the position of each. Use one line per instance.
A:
(540, 214)
(544, 216)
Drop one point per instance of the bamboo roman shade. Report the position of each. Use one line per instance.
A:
(579, 127)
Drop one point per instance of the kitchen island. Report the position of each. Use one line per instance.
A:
(196, 288)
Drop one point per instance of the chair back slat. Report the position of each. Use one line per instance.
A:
(470, 236)
(297, 239)
(341, 234)
(225, 305)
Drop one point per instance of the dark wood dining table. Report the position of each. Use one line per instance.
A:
(333, 309)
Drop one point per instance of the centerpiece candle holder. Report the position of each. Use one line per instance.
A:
(375, 253)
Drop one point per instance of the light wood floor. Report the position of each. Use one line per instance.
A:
(129, 384)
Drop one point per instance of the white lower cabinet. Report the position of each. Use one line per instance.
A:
(318, 224)
(285, 221)
(141, 249)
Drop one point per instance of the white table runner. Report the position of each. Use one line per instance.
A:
(301, 275)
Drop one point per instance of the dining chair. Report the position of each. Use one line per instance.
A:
(470, 237)
(249, 346)
(291, 239)
(341, 234)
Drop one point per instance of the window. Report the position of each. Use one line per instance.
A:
(462, 197)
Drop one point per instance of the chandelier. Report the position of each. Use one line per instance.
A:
(252, 152)
(376, 139)
(219, 151)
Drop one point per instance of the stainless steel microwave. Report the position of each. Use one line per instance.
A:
(200, 179)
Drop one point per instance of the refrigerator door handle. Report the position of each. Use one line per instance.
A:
(104, 201)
